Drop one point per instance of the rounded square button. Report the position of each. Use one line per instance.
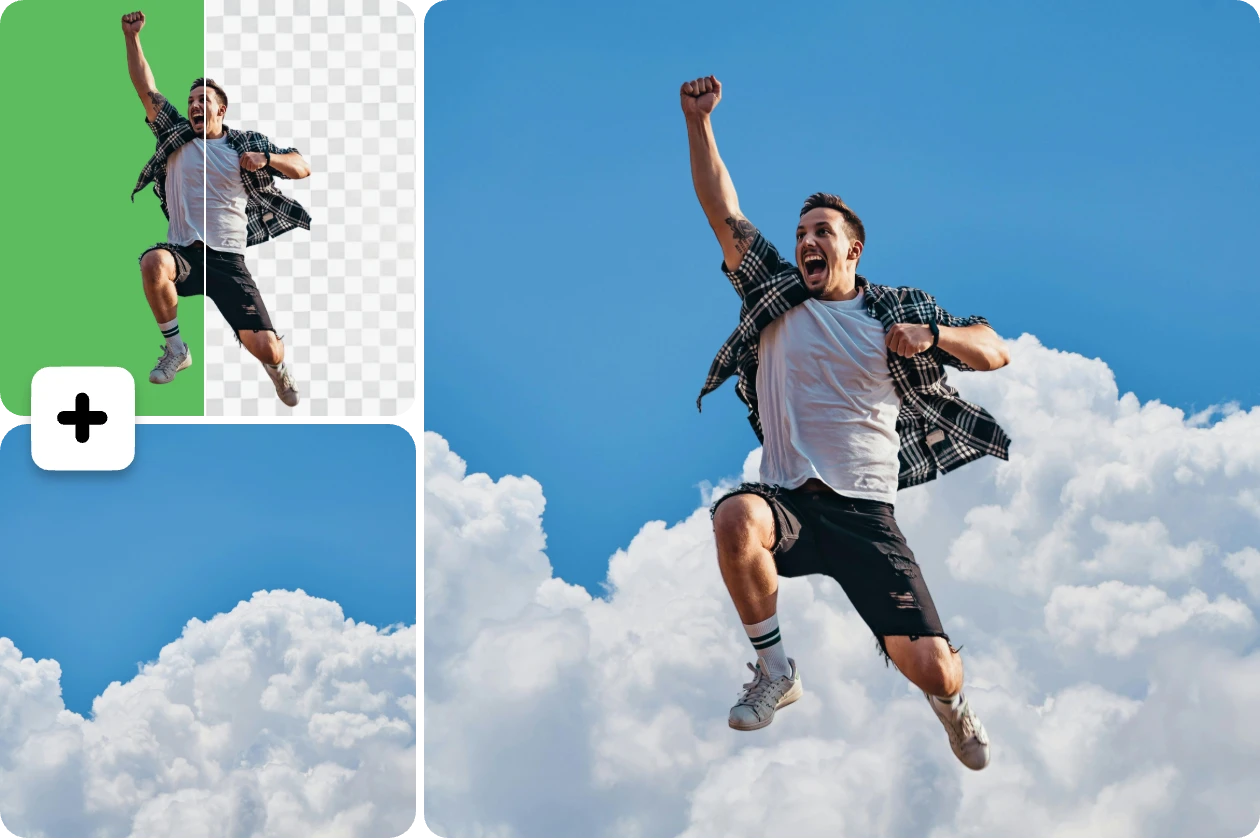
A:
(83, 418)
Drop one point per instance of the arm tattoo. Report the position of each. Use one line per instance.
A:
(157, 99)
(744, 231)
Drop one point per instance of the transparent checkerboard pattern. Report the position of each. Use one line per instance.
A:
(336, 80)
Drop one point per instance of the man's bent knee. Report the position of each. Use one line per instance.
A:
(928, 661)
(262, 345)
(272, 352)
(940, 681)
(743, 517)
(157, 265)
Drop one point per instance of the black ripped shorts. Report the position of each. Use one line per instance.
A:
(856, 542)
(223, 277)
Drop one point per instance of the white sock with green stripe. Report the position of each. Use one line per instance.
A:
(764, 636)
(170, 330)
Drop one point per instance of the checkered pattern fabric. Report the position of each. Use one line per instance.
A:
(939, 430)
(335, 79)
(268, 212)
(172, 130)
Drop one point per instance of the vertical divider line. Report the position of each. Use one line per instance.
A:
(205, 252)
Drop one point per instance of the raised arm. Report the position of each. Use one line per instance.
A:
(138, 68)
(712, 182)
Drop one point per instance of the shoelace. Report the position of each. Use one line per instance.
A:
(167, 361)
(965, 726)
(285, 382)
(755, 692)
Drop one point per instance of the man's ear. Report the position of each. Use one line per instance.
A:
(855, 249)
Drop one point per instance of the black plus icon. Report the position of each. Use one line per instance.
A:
(81, 418)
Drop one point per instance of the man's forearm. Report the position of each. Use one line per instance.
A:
(977, 346)
(138, 67)
(291, 165)
(708, 174)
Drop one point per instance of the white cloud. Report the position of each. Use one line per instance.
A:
(279, 718)
(1115, 617)
(1115, 705)
(1245, 565)
(1138, 547)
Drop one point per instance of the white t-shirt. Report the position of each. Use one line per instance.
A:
(218, 196)
(827, 402)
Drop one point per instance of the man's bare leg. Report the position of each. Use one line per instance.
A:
(157, 271)
(928, 662)
(266, 347)
(263, 345)
(937, 670)
(743, 526)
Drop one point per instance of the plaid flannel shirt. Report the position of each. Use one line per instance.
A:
(939, 431)
(268, 212)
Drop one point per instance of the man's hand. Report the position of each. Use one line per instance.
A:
(253, 161)
(909, 339)
(132, 23)
(701, 96)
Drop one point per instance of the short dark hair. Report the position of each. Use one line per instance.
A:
(853, 227)
(213, 85)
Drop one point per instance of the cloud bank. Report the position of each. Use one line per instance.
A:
(279, 718)
(1103, 582)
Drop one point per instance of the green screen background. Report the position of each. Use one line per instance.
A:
(73, 142)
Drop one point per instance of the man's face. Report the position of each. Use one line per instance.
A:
(205, 112)
(822, 247)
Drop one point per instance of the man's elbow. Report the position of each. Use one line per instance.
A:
(295, 166)
(997, 356)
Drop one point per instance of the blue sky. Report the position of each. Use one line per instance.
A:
(1085, 172)
(101, 570)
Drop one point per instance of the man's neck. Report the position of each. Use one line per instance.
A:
(215, 136)
(845, 288)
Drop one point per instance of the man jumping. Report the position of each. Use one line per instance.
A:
(215, 187)
(846, 391)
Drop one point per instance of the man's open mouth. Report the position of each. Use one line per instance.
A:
(815, 266)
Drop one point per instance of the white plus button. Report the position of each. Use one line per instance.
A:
(83, 418)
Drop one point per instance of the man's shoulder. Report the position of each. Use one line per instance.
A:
(246, 138)
(900, 291)
(898, 295)
(167, 120)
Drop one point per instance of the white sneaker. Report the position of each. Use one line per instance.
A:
(286, 389)
(763, 697)
(169, 365)
(966, 733)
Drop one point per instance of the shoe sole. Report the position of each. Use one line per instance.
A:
(185, 366)
(794, 694)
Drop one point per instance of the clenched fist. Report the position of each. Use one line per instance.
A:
(133, 22)
(701, 96)
(253, 161)
(909, 339)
